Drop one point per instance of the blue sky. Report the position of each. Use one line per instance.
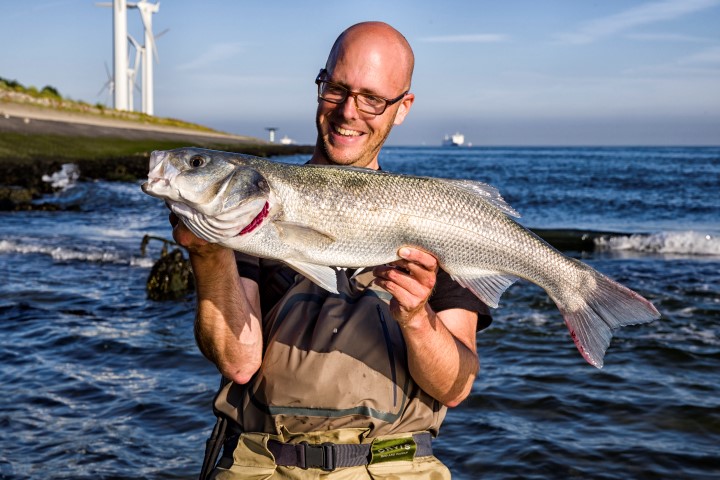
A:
(516, 72)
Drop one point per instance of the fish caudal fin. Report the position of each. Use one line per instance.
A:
(607, 306)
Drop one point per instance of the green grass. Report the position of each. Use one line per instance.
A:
(25, 158)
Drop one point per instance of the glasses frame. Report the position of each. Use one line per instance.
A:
(349, 93)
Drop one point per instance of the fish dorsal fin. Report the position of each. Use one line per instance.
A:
(488, 285)
(486, 192)
(321, 275)
(302, 236)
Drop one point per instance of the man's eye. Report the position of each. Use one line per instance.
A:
(373, 101)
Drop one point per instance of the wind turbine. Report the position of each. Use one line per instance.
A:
(146, 11)
(109, 85)
(132, 72)
(120, 52)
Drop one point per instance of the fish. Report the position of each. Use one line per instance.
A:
(319, 218)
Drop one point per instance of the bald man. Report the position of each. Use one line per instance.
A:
(352, 385)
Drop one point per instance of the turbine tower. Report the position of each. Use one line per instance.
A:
(150, 52)
(120, 52)
(132, 72)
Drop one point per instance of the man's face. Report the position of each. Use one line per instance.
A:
(351, 137)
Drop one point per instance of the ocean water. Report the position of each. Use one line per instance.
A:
(100, 382)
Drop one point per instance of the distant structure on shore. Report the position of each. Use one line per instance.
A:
(271, 133)
(123, 76)
(455, 140)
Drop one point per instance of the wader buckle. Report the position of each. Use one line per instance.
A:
(317, 456)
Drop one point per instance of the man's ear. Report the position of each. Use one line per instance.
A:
(405, 105)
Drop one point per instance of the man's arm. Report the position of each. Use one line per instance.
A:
(228, 328)
(441, 346)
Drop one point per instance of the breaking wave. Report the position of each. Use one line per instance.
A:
(679, 243)
(92, 254)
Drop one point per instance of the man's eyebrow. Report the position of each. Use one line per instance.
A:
(361, 90)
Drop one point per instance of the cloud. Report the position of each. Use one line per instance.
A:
(470, 38)
(667, 37)
(704, 57)
(635, 17)
(216, 53)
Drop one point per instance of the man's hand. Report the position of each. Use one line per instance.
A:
(183, 236)
(410, 281)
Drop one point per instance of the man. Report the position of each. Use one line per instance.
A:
(354, 383)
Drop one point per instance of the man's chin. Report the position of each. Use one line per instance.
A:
(343, 154)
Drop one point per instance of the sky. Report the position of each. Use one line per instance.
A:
(515, 72)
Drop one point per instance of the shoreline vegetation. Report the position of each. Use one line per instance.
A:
(40, 131)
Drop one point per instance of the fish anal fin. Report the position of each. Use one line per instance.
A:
(488, 286)
(325, 277)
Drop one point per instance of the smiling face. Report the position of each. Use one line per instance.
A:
(370, 58)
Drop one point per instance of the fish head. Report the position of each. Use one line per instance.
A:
(215, 192)
(189, 175)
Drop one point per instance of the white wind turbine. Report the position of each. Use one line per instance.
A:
(132, 72)
(120, 52)
(150, 52)
(109, 85)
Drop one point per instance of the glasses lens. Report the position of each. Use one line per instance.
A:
(331, 92)
(370, 104)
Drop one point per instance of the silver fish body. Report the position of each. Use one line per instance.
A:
(318, 217)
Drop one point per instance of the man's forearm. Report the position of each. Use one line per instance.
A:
(439, 362)
(227, 324)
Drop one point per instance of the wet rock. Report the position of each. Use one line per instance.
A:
(171, 277)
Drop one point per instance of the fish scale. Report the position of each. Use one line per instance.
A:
(316, 218)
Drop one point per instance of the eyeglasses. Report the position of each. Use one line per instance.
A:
(364, 102)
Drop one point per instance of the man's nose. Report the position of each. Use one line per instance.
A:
(350, 106)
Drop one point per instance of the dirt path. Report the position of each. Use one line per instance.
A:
(21, 118)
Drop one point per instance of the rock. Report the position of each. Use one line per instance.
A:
(171, 277)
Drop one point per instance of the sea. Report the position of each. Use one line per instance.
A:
(100, 382)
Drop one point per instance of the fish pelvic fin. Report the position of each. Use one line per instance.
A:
(488, 286)
(607, 307)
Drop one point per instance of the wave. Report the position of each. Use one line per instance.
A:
(681, 243)
(676, 243)
(93, 255)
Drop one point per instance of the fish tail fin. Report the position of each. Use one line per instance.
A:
(607, 306)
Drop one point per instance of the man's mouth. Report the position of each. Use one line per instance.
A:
(346, 132)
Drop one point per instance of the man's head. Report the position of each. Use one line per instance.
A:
(369, 58)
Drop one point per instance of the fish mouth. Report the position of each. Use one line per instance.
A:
(160, 175)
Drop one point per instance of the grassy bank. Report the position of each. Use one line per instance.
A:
(25, 158)
(40, 131)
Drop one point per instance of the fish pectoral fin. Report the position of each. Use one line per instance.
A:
(488, 286)
(321, 275)
(302, 236)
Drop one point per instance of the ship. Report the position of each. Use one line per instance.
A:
(456, 140)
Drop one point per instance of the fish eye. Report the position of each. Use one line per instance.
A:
(197, 161)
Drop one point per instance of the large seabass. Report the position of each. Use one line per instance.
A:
(317, 217)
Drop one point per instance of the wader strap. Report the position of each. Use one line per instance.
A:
(214, 444)
(329, 456)
(212, 447)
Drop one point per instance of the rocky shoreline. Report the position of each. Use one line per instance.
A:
(35, 142)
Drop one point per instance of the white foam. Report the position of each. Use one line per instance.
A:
(65, 178)
(682, 243)
(70, 254)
